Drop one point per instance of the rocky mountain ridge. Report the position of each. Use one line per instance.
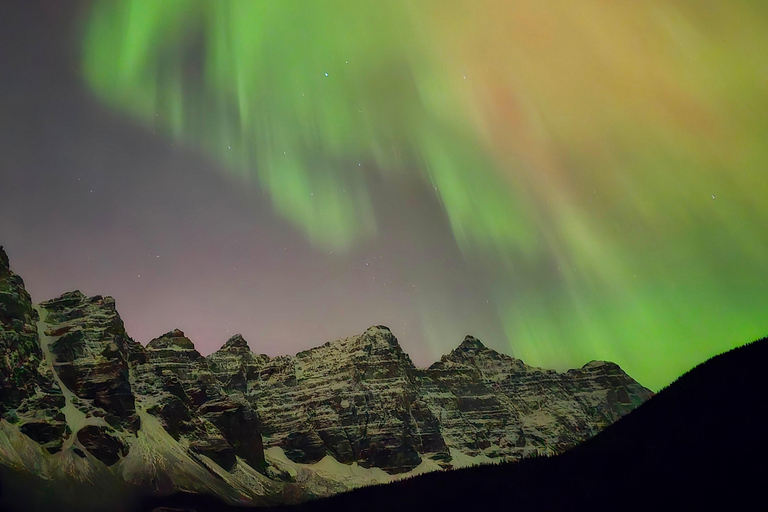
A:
(361, 399)
(83, 403)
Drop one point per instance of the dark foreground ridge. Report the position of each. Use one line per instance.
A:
(699, 444)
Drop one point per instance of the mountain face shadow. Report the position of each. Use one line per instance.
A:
(700, 443)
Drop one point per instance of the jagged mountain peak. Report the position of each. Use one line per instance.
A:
(87, 387)
(67, 299)
(236, 343)
(376, 328)
(471, 343)
(4, 263)
(469, 348)
(598, 367)
(172, 339)
(598, 363)
(473, 353)
(377, 334)
(74, 294)
(29, 394)
(76, 298)
(377, 338)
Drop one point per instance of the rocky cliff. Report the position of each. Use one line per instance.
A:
(30, 395)
(494, 405)
(362, 400)
(356, 399)
(173, 382)
(82, 403)
(85, 343)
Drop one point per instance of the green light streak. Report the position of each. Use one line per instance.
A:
(574, 149)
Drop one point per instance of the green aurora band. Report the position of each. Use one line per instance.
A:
(605, 164)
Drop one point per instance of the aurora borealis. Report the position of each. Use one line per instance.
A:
(599, 170)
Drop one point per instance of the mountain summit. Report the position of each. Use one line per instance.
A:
(83, 404)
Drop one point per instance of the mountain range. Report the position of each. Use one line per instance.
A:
(699, 444)
(91, 419)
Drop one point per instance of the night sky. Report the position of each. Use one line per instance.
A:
(565, 180)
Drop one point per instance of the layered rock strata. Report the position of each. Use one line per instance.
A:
(362, 400)
(494, 405)
(84, 350)
(173, 383)
(72, 379)
(81, 402)
(30, 397)
(355, 399)
(88, 346)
